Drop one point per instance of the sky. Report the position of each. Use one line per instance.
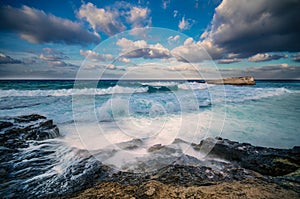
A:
(161, 39)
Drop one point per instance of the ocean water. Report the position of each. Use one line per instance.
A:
(117, 123)
(266, 114)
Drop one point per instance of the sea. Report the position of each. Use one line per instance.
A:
(99, 115)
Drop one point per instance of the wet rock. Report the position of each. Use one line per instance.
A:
(28, 118)
(155, 148)
(29, 127)
(4, 124)
(130, 145)
(267, 161)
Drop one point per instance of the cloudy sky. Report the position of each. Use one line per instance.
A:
(149, 39)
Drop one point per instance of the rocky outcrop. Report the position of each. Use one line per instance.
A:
(231, 169)
(34, 165)
(266, 161)
(239, 81)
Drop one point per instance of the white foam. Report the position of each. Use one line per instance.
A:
(241, 95)
(194, 86)
(158, 84)
(68, 92)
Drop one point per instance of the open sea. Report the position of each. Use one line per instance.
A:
(97, 117)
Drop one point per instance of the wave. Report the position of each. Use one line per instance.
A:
(174, 86)
(255, 94)
(74, 91)
(150, 87)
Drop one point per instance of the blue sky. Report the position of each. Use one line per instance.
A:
(149, 39)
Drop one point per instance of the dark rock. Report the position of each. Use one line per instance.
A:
(130, 145)
(28, 118)
(267, 161)
(155, 148)
(32, 165)
(4, 124)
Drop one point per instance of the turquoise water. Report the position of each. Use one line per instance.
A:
(266, 114)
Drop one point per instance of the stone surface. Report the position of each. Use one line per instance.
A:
(266, 161)
(250, 188)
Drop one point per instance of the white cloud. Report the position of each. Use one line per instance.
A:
(264, 57)
(124, 60)
(112, 20)
(111, 66)
(229, 61)
(60, 64)
(172, 39)
(185, 24)
(138, 17)
(94, 56)
(140, 48)
(127, 44)
(175, 13)
(190, 51)
(165, 4)
(101, 20)
(182, 67)
(50, 54)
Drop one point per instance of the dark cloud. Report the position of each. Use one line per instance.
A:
(250, 27)
(4, 59)
(147, 53)
(260, 57)
(38, 27)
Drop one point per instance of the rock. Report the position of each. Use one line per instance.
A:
(4, 124)
(266, 161)
(247, 80)
(130, 145)
(155, 147)
(28, 127)
(250, 188)
(32, 165)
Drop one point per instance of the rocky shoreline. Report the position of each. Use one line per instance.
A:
(35, 163)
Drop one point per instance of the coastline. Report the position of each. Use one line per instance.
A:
(231, 169)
